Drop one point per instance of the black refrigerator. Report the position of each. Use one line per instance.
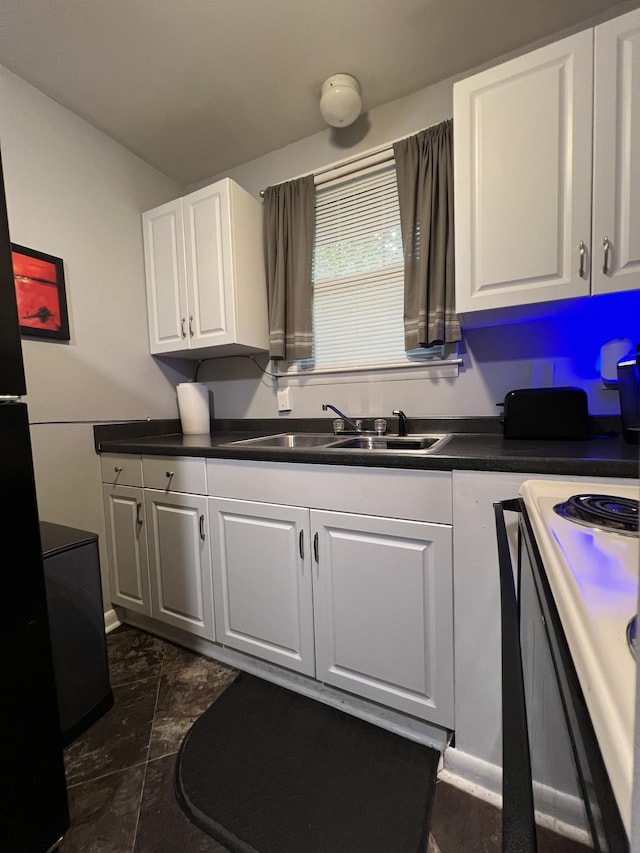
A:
(34, 812)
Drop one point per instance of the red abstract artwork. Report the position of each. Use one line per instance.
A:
(40, 293)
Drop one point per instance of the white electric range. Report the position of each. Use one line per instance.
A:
(587, 536)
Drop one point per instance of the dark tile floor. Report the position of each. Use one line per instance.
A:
(120, 772)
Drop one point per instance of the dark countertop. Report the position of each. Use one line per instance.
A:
(476, 444)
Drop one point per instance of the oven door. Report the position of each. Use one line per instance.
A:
(551, 759)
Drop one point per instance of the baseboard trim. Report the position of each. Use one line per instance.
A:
(479, 778)
(557, 811)
(111, 621)
(394, 721)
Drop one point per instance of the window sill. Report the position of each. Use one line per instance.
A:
(441, 369)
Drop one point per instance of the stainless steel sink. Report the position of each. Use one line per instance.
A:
(367, 443)
(386, 443)
(288, 439)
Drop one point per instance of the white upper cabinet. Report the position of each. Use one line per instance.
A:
(532, 175)
(616, 181)
(206, 293)
(522, 161)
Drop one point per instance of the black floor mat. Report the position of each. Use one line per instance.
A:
(265, 770)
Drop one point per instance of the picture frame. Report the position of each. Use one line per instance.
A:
(40, 294)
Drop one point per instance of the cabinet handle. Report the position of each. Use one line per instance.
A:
(301, 544)
(168, 474)
(138, 513)
(118, 469)
(582, 251)
(605, 260)
(190, 325)
(202, 527)
(315, 547)
(182, 329)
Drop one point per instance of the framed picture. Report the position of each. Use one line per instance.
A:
(40, 294)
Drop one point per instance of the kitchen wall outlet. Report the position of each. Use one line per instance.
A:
(542, 374)
(284, 399)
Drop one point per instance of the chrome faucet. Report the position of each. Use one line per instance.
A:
(402, 421)
(355, 425)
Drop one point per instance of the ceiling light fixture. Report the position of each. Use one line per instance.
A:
(340, 101)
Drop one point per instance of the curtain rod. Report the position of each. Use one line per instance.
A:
(373, 157)
(344, 167)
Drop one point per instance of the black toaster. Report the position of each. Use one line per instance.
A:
(546, 413)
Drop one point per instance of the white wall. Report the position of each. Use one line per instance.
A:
(73, 193)
(560, 349)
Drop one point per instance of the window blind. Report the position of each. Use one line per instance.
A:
(358, 275)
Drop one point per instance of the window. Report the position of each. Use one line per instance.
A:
(358, 278)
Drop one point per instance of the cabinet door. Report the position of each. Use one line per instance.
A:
(165, 277)
(616, 211)
(384, 611)
(262, 581)
(179, 561)
(207, 241)
(522, 160)
(127, 547)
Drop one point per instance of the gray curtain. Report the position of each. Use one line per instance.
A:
(424, 169)
(289, 223)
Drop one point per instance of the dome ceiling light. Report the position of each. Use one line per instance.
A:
(340, 102)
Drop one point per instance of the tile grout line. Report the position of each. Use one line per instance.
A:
(146, 763)
(105, 775)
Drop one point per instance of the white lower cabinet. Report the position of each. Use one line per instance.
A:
(158, 539)
(262, 581)
(329, 586)
(180, 561)
(123, 500)
(383, 606)
(363, 603)
(127, 547)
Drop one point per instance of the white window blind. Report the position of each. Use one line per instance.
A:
(358, 289)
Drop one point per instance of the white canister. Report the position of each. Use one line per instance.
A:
(193, 405)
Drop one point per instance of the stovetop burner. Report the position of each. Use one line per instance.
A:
(605, 512)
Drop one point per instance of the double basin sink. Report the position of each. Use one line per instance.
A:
(368, 443)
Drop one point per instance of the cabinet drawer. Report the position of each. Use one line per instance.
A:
(121, 469)
(175, 474)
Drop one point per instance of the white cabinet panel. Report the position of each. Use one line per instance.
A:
(206, 235)
(180, 561)
(384, 611)
(523, 178)
(165, 273)
(616, 211)
(262, 581)
(388, 492)
(127, 547)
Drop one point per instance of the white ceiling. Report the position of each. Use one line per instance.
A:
(195, 87)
